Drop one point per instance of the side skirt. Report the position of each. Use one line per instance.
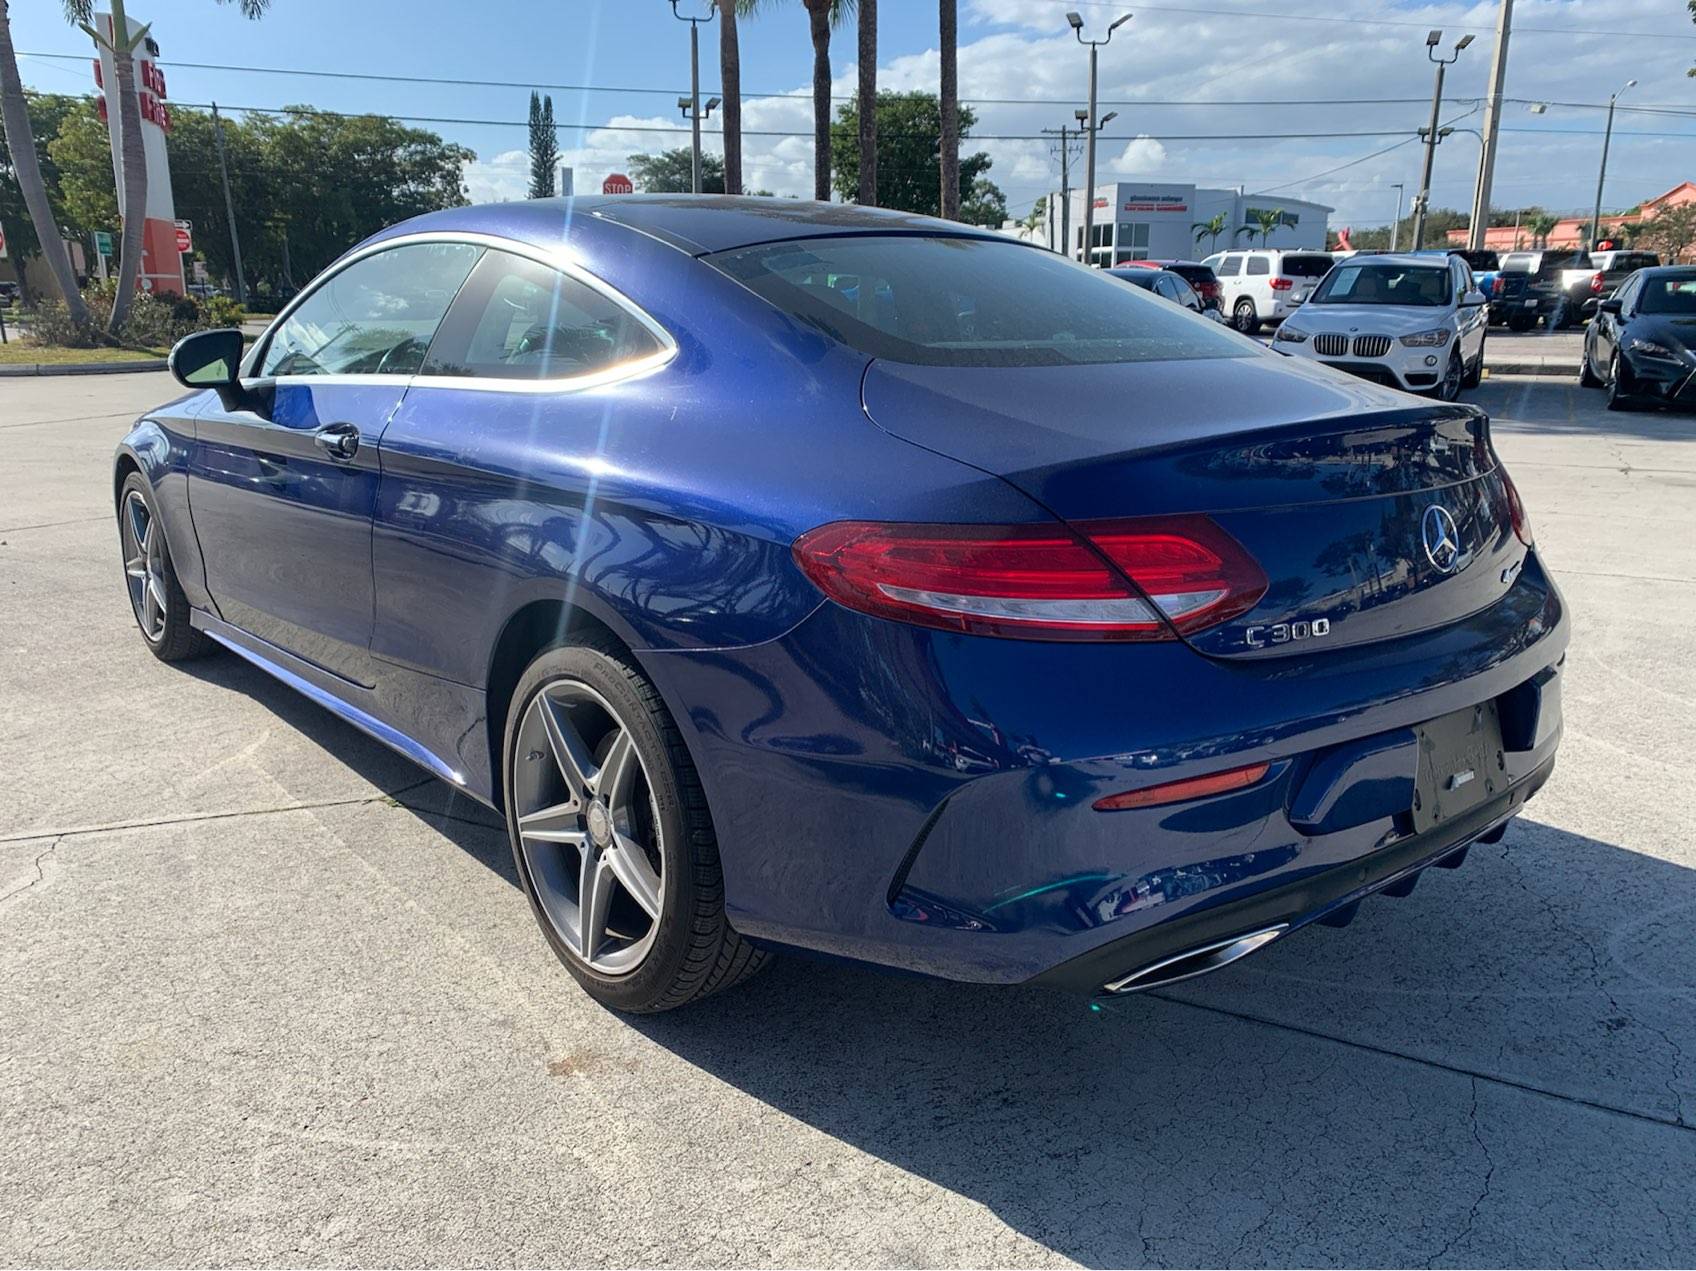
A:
(316, 684)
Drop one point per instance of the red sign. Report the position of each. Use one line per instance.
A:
(617, 183)
(185, 241)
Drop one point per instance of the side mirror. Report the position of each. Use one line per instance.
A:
(1472, 299)
(212, 359)
(1610, 305)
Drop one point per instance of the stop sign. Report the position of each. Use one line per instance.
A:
(617, 183)
(185, 241)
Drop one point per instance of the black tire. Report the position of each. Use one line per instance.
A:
(1454, 377)
(1520, 323)
(1587, 378)
(1475, 373)
(1244, 318)
(1618, 397)
(176, 640)
(695, 952)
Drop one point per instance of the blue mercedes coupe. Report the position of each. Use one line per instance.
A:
(801, 575)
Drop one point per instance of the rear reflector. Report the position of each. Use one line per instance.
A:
(1141, 579)
(1181, 791)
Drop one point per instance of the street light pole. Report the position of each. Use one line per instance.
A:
(1422, 200)
(1492, 127)
(1065, 188)
(1607, 136)
(1093, 127)
(694, 111)
(1400, 188)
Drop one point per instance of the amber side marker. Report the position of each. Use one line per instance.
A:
(1179, 791)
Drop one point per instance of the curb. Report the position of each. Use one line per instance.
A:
(82, 368)
(1553, 370)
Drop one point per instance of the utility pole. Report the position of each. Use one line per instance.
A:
(1092, 126)
(1066, 134)
(1607, 136)
(1396, 225)
(1492, 127)
(229, 204)
(693, 110)
(1422, 200)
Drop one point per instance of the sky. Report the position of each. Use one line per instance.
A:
(1207, 91)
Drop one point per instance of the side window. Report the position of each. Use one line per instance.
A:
(1184, 294)
(519, 319)
(1230, 267)
(1259, 265)
(376, 317)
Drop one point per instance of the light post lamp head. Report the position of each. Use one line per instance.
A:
(1106, 119)
(1462, 42)
(1082, 117)
(1118, 22)
(1431, 41)
(713, 104)
(1075, 19)
(683, 105)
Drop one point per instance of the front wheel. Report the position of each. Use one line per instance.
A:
(1453, 374)
(1520, 323)
(611, 836)
(156, 598)
(1475, 373)
(1244, 318)
(1618, 397)
(1587, 378)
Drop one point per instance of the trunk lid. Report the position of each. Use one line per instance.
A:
(1329, 483)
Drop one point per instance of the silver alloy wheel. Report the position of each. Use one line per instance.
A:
(144, 565)
(588, 827)
(1453, 373)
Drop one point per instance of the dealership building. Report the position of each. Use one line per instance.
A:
(1158, 220)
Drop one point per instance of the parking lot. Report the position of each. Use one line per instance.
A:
(269, 994)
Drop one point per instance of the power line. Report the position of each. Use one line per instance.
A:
(1267, 15)
(1130, 102)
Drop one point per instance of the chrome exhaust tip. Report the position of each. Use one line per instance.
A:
(1193, 962)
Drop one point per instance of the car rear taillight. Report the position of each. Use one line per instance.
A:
(1516, 510)
(1596, 284)
(1181, 791)
(1280, 284)
(1497, 285)
(1145, 578)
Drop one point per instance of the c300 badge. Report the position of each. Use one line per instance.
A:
(1287, 632)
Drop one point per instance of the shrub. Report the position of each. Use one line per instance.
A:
(156, 319)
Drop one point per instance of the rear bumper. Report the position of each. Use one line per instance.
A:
(923, 800)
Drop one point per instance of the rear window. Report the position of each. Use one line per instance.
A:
(1479, 260)
(1519, 262)
(1193, 274)
(1306, 266)
(969, 302)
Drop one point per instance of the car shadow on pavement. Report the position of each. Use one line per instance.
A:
(1498, 1069)
(1559, 407)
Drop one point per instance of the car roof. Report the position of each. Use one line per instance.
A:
(1427, 260)
(697, 224)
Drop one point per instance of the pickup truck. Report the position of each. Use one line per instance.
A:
(1547, 285)
(1612, 268)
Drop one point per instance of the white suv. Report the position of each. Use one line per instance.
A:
(1266, 284)
(1412, 322)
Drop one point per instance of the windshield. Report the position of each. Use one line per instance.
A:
(1372, 284)
(1676, 294)
(969, 302)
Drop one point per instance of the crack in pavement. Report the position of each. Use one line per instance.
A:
(190, 817)
(40, 874)
(52, 525)
(1435, 1064)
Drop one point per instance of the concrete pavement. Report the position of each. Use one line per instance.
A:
(269, 995)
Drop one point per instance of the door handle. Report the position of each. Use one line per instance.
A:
(339, 441)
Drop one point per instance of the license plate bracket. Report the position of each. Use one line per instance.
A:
(1460, 765)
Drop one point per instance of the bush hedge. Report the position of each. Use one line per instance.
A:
(156, 320)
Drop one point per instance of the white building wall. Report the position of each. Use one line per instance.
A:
(1156, 220)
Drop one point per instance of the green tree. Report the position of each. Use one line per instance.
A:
(1541, 226)
(1211, 228)
(23, 173)
(82, 153)
(909, 163)
(1671, 231)
(1037, 217)
(544, 147)
(672, 172)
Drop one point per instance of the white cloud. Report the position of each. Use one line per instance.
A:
(1167, 72)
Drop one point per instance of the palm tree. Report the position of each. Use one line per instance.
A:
(948, 87)
(822, 16)
(26, 167)
(730, 81)
(1211, 229)
(1266, 220)
(1541, 226)
(867, 57)
(121, 43)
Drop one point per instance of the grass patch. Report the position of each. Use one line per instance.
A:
(24, 353)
